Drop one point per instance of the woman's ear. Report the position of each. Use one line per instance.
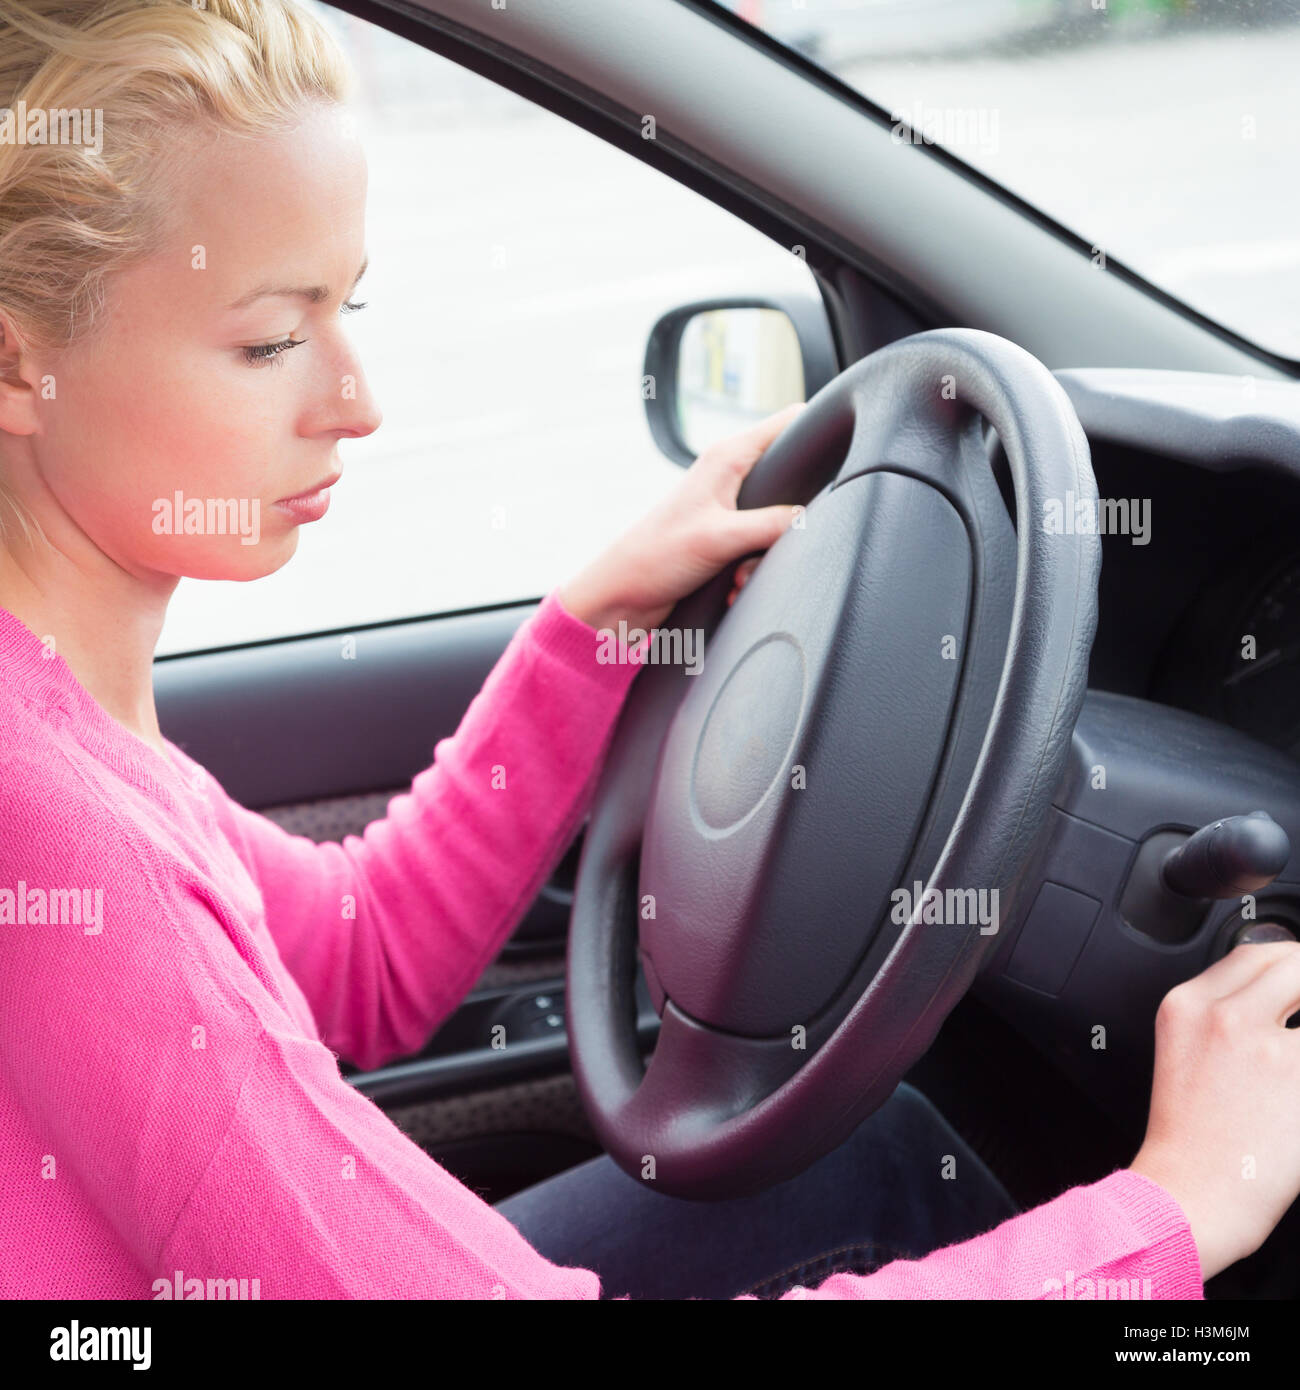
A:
(17, 392)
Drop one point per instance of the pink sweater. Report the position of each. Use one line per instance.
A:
(180, 976)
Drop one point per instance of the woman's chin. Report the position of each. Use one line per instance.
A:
(241, 563)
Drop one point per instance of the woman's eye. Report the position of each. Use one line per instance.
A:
(265, 352)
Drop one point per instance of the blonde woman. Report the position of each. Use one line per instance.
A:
(170, 1098)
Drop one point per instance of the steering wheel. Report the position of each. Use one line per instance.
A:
(888, 704)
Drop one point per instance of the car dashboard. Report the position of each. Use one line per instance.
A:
(1199, 602)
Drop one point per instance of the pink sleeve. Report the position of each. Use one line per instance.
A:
(387, 932)
(1122, 1237)
(162, 1078)
(314, 1191)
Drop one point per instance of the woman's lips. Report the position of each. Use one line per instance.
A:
(310, 505)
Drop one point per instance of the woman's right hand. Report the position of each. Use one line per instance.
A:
(1223, 1136)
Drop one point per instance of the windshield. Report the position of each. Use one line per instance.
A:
(1165, 133)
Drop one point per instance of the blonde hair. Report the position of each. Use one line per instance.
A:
(165, 74)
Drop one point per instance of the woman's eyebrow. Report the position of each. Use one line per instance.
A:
(312, 293)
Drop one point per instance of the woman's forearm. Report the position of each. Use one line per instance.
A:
(386, 932)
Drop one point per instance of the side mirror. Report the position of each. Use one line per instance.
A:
(717, 366)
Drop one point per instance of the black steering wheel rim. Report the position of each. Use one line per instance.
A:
(778, 1035)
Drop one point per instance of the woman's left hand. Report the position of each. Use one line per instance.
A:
(686, 540)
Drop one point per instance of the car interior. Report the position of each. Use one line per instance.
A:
(1125, 711)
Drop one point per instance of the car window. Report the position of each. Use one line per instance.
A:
(1162, 132)
(517, 266)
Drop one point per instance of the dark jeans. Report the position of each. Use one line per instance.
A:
(881, 1196)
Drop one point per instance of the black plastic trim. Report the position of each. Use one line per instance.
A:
(480, 1069)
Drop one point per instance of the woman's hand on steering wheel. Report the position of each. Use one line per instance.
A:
(685, 540)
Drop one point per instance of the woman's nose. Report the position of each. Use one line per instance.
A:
(357, 412)
(364, 415)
